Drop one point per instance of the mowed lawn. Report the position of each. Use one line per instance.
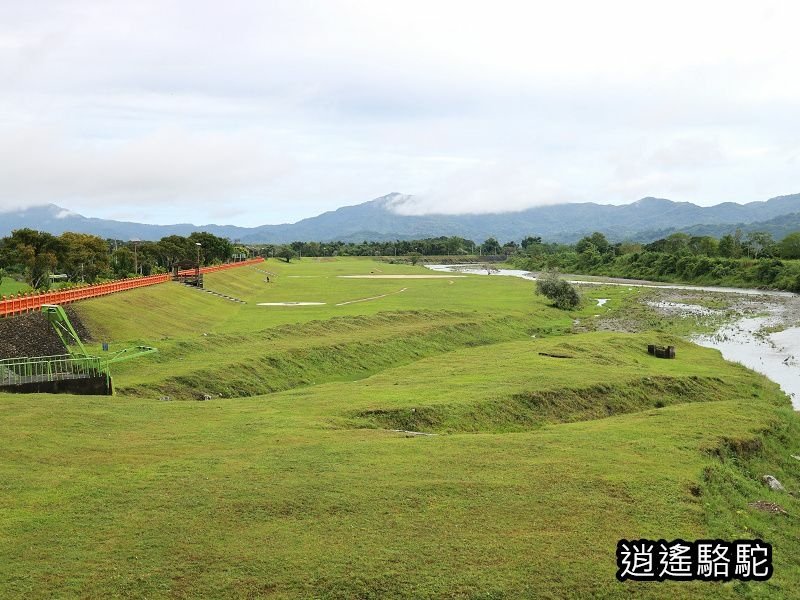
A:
(173, 310)
(11, 286)
(206, 342)
(547, 450)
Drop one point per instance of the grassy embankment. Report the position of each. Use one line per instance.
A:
(212, 346)
(764, 273)
(540, 465)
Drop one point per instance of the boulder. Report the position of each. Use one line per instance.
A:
(773, 483)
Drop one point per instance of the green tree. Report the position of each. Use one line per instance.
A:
(730, 244)
(122, 262)
(214, 248)
(676, 242)
(759, 243)
(174, 248)
(286, 253)
(530, 241)
(85, 256)
(589, 256)
(490, 246)
(454, 245)
(705, 245)
(789, 247)
(563, 295)
(597, 239)
(629, 248)
(34, 253)
(414, 257)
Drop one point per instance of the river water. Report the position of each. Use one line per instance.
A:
(532, 275)
(776, 355)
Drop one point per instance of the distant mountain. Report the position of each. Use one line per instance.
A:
(56, 220)
(378, 220)
(779, 227)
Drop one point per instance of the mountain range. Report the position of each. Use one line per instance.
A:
(644, 220)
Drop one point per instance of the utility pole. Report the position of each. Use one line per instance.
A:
(136, 256)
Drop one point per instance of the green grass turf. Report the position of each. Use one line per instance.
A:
(209, 345)
(172, 310)
(540, 464)
(11, 286)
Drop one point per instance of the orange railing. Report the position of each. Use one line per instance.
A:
(211, 269)
(33, 301)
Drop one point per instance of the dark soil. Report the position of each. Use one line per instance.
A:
(32, 335)
(769, 507)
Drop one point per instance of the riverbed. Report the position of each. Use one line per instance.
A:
(746, 340)
(776, 355)
(472, 269)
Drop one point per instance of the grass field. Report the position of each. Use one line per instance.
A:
(546, 447)
(11, 286)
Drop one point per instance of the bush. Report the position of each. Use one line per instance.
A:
(286, 253)
(563, 295)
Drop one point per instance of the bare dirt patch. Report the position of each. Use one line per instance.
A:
(769, 507)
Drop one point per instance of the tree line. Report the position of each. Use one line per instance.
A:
(436, 246)
(40, 258)
(754, 259)
(751, 260)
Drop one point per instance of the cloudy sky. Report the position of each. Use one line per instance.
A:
(270, 111)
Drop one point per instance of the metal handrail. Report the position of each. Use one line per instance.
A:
(16, 371)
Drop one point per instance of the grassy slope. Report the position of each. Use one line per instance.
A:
(209, 345)
(12, 286)
(304, 492)
(173, 311)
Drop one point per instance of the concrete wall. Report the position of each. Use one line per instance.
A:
(95, 386)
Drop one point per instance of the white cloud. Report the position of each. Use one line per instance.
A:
(486, 188)
(166, 166)
(267, 111)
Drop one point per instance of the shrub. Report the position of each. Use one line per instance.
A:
(563, 295)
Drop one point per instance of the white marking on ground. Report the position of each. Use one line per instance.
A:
(399, 276)
(371, 298)
(601, 301)
(291, 303)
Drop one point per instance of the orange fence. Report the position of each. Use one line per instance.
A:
(33, 301)
(213, 268)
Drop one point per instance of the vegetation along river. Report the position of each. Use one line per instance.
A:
(763, 335)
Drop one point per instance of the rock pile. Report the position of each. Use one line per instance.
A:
(32, 335)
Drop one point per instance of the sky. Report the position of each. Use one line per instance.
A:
(267, 111)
